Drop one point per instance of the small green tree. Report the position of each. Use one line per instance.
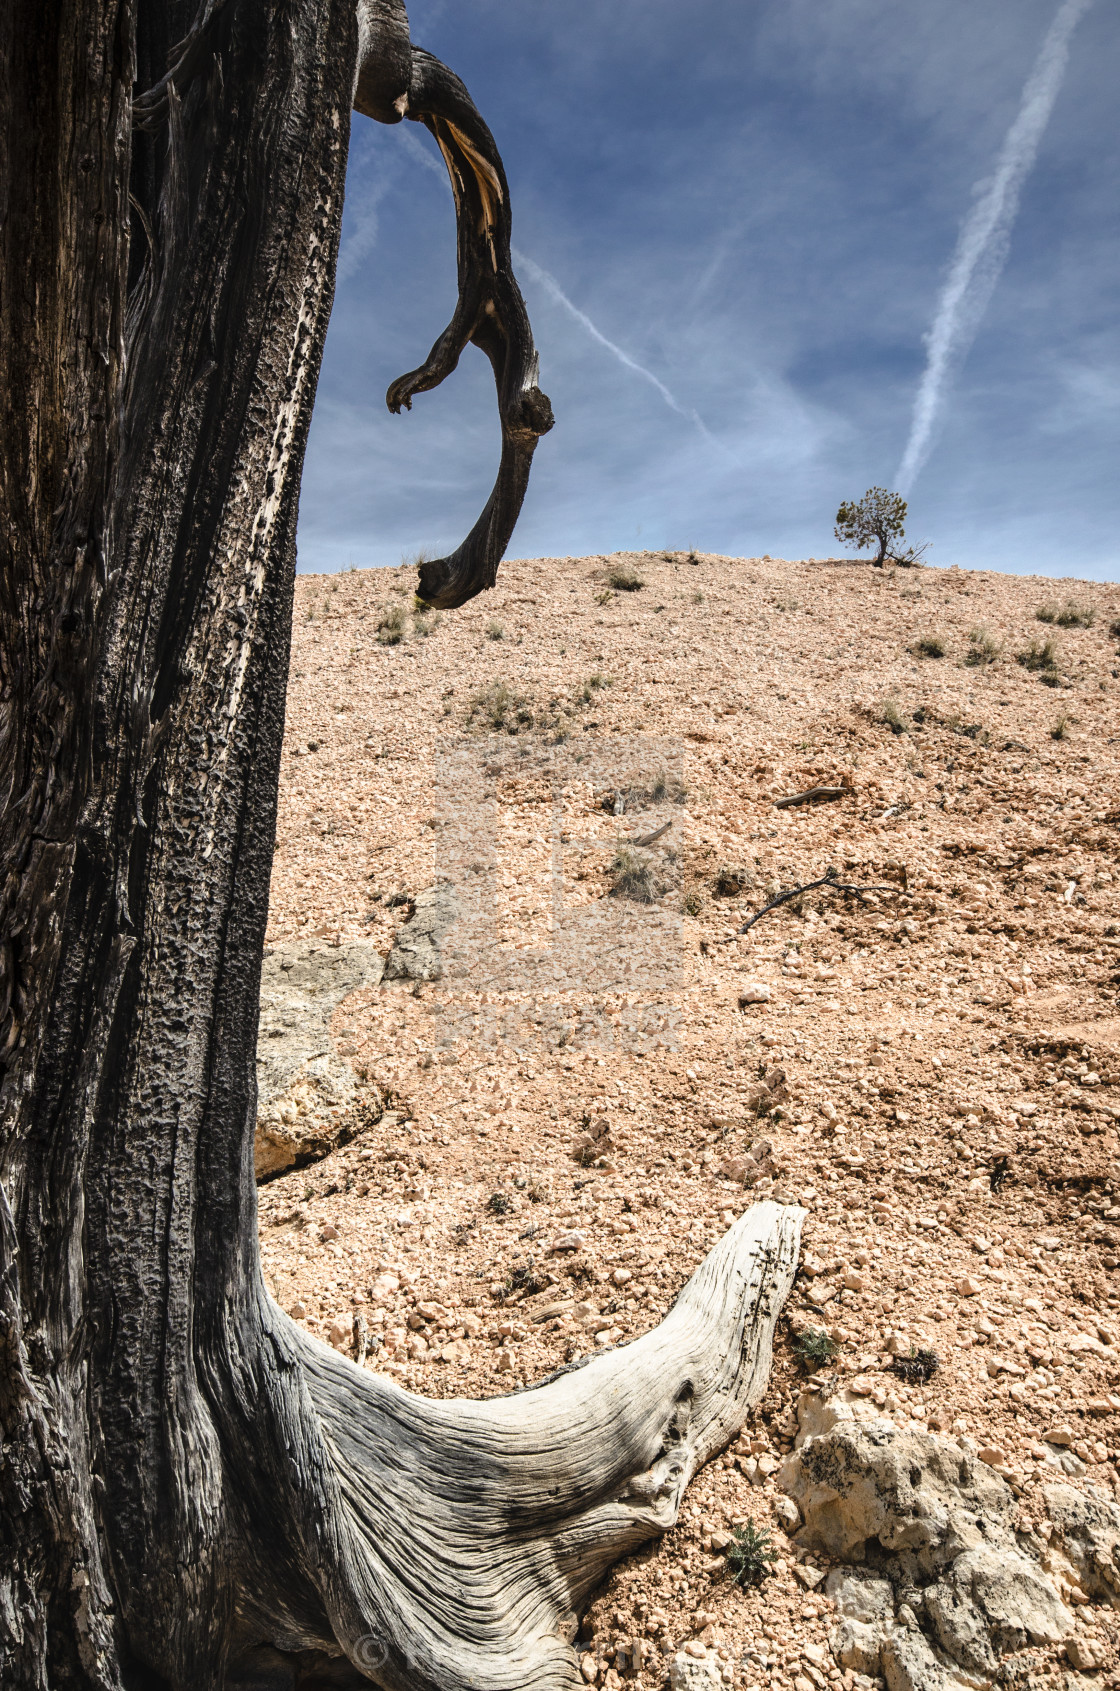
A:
(878, 516)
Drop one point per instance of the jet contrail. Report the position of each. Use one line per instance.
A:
(417, 151)
(984, 239)
(553, 288)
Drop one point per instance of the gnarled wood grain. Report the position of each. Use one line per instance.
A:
(192, 1492)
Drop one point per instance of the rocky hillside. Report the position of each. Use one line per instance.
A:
(517, 847)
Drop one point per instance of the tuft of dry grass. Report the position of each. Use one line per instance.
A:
(636, 875)
(391, 628)
(731, 879)
(983, 649)
(930, 646)
(891, 716)
(500, 708)
(624, 580)
(586, 690)
(1039, 655)
(1073, 614)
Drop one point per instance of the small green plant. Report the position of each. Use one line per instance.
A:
(499, 1203)
(815, 1348)
(697, 598)
(624, 580)
(891, 717)
(636, 876)
(930, 646)
(390, 629)
(1073, 614)
(1039, 655)
(916, 1368)
(983, 649)
(693, 903)
(500, 708)
(1061, 729)
(603, 598)
(751, 1554)
(495, 631)
(879, 518)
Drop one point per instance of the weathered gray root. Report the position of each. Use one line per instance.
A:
(467, 1535)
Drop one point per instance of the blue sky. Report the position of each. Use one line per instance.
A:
(759, 204)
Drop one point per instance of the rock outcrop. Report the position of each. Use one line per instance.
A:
(1086, 1537)
(305, 1085)
(942, 1591)
(416, 949)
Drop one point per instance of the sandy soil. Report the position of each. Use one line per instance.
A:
(934, 1065)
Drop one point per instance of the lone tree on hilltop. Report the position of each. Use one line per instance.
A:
(878, 517)
(194, 1494)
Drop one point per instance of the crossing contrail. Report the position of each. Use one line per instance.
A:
(984, 239)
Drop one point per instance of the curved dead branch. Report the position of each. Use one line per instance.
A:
(455, 1543)
(490, 312)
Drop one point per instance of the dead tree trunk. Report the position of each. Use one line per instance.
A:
(192, 1492)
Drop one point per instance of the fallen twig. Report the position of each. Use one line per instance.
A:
(813, 793)
(828, 880)
(648, 839)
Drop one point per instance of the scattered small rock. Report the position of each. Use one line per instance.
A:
(688, 1672)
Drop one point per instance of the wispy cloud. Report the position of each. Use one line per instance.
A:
(984, 240)
(417, 151)
(360, 233)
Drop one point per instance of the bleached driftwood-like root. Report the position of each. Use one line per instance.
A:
(397, 80)
(458, 1541)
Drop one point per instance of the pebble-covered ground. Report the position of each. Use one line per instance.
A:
(931, 1068)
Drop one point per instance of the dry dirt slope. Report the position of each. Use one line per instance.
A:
(932, 1069)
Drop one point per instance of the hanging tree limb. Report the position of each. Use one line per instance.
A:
(397, 80)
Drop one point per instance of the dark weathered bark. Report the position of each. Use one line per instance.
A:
(148, 536)
(192, 1492)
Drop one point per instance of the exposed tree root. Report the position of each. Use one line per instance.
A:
(459, 1541)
